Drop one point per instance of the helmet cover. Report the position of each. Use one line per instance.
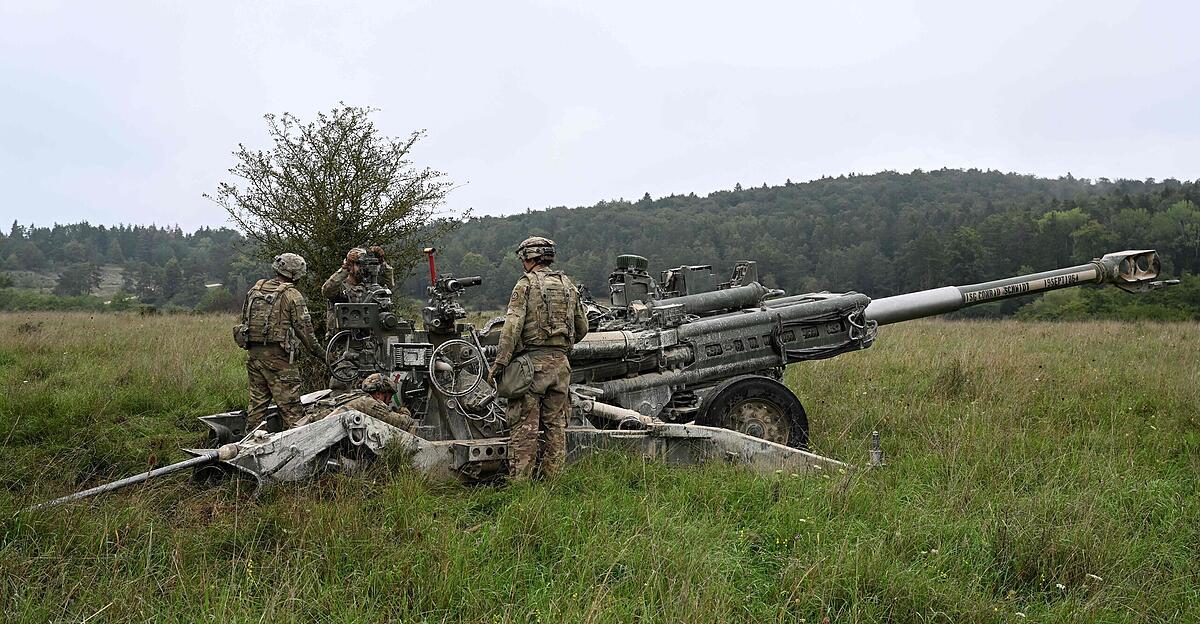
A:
(376, 382)
(536, 247)
(290, 265)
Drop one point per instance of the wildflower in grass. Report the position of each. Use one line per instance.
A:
(1060, 586)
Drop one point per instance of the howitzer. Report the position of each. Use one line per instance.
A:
(683, 369)
(716, 357)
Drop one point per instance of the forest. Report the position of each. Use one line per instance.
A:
(879, 234)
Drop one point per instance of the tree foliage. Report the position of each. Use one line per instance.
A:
(331, 184)
(80, 278)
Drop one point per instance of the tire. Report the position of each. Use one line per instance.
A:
(757, 406)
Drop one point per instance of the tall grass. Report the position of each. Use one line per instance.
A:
(1046, 470)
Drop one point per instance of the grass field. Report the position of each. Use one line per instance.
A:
(1037, 473)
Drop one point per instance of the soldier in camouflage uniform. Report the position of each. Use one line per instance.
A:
(373, 399)
(347, 285)
(544, 318)
(275, 323)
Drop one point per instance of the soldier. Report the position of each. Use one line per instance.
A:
(544, 318)
(274, 319)
(347, 285)
(373, 399)
(344, 285)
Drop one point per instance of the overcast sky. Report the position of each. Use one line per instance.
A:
(123, 112)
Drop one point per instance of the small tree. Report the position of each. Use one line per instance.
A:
(218, 299)
(170, 280)
(75, 251)
(332, 184)
(24, 255)
(114, 255)
(145, 280)
(78, 279)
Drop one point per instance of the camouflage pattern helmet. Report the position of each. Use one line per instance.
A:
(536, 247)
(290, 265)
(377, 383)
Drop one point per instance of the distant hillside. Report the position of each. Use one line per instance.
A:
(160, 266)
(43, 281)
(879, 234)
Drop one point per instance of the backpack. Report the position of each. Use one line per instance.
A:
(263, 319)
(552, 303)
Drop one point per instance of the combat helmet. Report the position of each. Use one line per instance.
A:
(376, 382)
(536, 247)
(290, 265)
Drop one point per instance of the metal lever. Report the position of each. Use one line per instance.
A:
(876, 460)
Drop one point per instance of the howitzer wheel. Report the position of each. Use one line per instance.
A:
(757, 406)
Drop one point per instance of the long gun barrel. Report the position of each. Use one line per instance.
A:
(1132, 271)
(227, 452)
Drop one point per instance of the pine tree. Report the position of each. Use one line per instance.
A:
(114, 255)
(172, 280)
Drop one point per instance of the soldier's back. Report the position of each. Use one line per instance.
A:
(552, 299)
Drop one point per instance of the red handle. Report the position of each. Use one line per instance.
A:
(432, 269)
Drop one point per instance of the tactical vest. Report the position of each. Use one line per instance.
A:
(325, 407)
(550, 310)
(266, 313)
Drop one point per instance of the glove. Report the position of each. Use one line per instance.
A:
(495, 370)
(351, 258)
(378, 251)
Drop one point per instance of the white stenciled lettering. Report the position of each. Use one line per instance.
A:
(1016, 289)
(982, 295)
(1031, 286)
(1062, 280)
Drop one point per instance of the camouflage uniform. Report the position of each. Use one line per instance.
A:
(544, 318)
(339, 288)
(271, 341)
(360, 401)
